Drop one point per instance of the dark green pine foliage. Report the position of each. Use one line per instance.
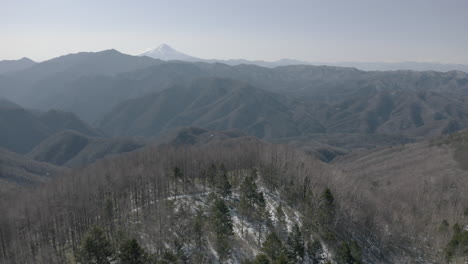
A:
(272, 247)
(280, 225)
(261, 259)
(348, 254)
(198, 228)
(131, 252)
(295, 244)
(222, 228)
(282, 258)
(248, 196)
(458, 245)
(326, 210)
(223, 184)
(177, 173)
(262, 215)
(168, 258)
(315, 251)
(95, 248)
(355, 252)
(211, 175)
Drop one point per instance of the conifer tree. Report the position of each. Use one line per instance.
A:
(109, 214)
(355, 252)
(95, 248)
(198, 228)
(223, 184)
(261, 259)
(248, 195)
(222, 227)
(348, 254)
(326, 210)
(261, 213)
(211, 174)
(295, 244)
(315, 251)
(131, 252)
(177, 173)
(280, 225)
(272, 247)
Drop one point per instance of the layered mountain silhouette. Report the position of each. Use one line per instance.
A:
(23, 129)
(73, 149)
(18, 170)
(11, 66)
(166, 53)
(334, 99)
(216, 104)
(51, 77)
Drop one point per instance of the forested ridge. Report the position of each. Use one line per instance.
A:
(135, 203)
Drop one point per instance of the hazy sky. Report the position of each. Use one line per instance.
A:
(316, 31)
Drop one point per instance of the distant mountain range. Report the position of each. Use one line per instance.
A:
(111, 90)
(23, 129)
(165, 52)
(9, 66)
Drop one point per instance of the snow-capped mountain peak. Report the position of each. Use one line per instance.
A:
(166, 53)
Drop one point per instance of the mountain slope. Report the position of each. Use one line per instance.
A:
(165, 194)
(49, 77)
(16, 170)
(23, 129)
(408, 191)
(414, 66)
(197, 136)
(216, 104)
(343, 100)
(10, 66)
(72, 149)
(91, 97)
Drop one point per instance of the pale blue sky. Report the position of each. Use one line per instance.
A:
(316, 31)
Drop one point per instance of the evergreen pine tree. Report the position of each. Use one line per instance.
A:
(224, 186)
(348, 254)
(355, 252)
(272, 247)
(343, 254)
(315, 251)
(261, 259)
(221, 224)
(131, 252)
(211, 174)
(280, 225)
(248, 195)
(198, 228)
(295, 244)
(177, 173)
(282, 258)
(326, 210)
(95, 248)
(109, 214)
(261, 213)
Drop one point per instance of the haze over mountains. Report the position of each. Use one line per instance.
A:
(8, 66)
(165, 52)
(117, 125)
